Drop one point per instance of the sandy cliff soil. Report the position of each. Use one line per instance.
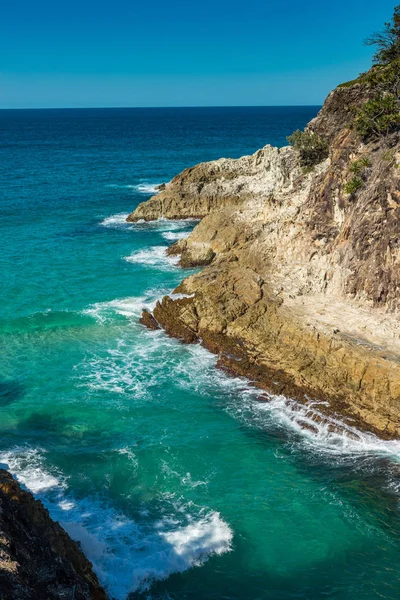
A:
(38, 560)
(300, 291)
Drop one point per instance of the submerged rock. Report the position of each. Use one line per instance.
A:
(38, 560)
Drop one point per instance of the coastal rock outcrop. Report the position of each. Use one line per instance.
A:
(38, 560)
(218, 184)
(301, 291)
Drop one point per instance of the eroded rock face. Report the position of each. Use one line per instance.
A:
(37, 557)
(302, 288)
(217, 184)
(148, 320)
(258, 335)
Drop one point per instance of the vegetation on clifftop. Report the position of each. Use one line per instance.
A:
(380, 115)
(387, 40)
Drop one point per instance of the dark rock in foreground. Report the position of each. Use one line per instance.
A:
(38, 560)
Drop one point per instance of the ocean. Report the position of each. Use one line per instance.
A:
(178, 481)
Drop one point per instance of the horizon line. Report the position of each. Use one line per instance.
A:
(159, 107)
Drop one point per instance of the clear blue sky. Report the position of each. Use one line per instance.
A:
(55, 53)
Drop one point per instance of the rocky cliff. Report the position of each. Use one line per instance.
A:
(301, 288)
(38, 560)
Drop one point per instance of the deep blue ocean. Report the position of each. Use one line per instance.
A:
(179, 482)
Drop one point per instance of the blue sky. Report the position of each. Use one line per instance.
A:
(159, 53)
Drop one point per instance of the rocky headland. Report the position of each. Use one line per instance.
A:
(38, 560)
(300, 249)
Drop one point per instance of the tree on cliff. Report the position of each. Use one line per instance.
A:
(379, 116)
(387, 40)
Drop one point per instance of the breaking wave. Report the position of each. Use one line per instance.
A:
(147, 188)
(173, 236)
(143, 188)
(170, 230)
(121, 186)
(318, 431)
(130, 307)
(154, 257)
(116, 221)
(128, 555)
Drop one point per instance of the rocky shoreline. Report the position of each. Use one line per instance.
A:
(37, 557)
(299, 289)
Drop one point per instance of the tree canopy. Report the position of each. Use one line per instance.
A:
(387, 40)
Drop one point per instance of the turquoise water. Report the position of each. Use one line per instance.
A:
(178, 481)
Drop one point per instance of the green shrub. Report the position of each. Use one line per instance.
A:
(354, 184)
(312, 148)
(359, 166)
(365, 161)
(347, 84)
(378, 117)
(384, 78)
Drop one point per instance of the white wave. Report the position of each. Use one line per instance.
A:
(154, 257)
(197, 540)
(173, 236)
(121, 186)
(327, 433)
(127, 555)
(27, 463)
(132, 369)
(163, 224)
(117, 372)
(135, 366)
(185, 480)
(147, 188)
(116, 221)
(129, 366)
(130, 307)
(316, 431)
(104, 311)
(169, 226)
(130, 454)
(143, 187)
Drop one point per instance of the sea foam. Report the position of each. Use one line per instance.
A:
(173, 236)
(171, 227)
(313, 428)
(116, 221)
(142, 552)
(127, 555)
(154, 257)
(130, 307)
(143, 187)
(307, 427)
(130, 368)
(147, 188)
(323, 433)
